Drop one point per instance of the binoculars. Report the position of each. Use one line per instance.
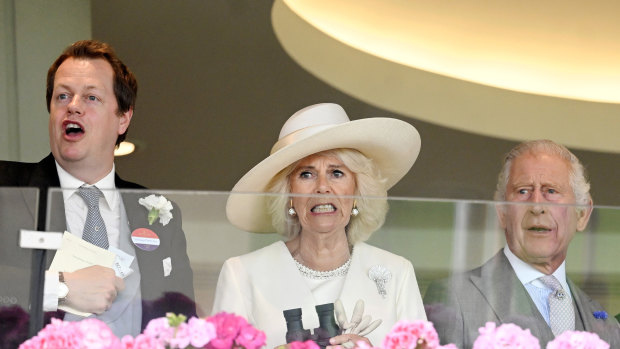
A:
(327, 326)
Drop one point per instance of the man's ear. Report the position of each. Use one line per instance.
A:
(124, 120)
(583, 215)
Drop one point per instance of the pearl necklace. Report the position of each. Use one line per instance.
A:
(323, 275)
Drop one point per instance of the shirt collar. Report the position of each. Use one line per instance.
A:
(71, 184)
(528, 274)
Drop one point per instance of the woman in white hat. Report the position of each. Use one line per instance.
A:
(347, 166)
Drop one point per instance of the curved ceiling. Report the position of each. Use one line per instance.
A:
(514, 70)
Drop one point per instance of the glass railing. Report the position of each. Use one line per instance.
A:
(18, 210)
(439, 237)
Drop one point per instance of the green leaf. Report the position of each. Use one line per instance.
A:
(175, 320)
(153, 215)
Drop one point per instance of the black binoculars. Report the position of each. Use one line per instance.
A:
(327, 326)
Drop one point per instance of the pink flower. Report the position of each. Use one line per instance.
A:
(303, 345)
(159, 329)
(412, 334)
(200, 332)
(232, 329)
(250, 338)
(127, 342)
(88, 333)
(57, 334)
(225, 331)
(220, 343)
(181, 337)
(143, 341)
(577, 340)
(97, 335)
(509, 336)
(226, 327)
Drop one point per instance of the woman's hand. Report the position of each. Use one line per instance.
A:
(348, 340)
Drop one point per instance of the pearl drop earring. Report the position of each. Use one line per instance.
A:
(355, 211)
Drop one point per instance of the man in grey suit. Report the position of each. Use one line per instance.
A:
(538, 176)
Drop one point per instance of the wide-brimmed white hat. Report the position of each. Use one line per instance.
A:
(393, 145)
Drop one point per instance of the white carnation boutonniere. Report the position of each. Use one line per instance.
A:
(380, 275)
(158, 206)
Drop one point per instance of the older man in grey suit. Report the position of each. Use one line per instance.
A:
(526, 283)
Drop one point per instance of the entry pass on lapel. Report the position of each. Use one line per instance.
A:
(145, 239)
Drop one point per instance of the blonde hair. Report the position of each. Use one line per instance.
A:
(370, 190)
(577, 175)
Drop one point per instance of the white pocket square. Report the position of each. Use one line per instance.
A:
(167, 262)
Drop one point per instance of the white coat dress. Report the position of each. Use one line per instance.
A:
(262, 284)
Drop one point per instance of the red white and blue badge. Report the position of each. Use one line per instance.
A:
(145, 239)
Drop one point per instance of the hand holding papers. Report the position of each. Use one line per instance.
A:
(122, 262)
(93, 274)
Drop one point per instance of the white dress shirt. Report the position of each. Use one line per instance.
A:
(75, 213)
(529, 276)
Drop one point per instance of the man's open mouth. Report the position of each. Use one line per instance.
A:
(73, 128)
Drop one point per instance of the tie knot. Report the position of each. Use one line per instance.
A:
(553, 283)
(90, 195)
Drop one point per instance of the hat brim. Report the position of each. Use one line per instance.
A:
(392, 144)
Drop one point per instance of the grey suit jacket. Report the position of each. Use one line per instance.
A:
(459, 305)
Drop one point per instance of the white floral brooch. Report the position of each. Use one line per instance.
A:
(158, 206)
(380, 275)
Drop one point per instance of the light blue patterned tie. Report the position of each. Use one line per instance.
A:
(561, 312)
(94, 227)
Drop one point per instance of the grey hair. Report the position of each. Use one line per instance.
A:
(577, 175)
(370, 191)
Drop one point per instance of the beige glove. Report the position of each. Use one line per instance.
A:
(360, 324)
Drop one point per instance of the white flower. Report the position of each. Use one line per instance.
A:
(380, 275)
(158, 206)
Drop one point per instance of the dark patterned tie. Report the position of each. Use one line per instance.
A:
(561, 312)
(94, 228)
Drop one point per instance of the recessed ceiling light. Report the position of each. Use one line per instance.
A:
(124, 148)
